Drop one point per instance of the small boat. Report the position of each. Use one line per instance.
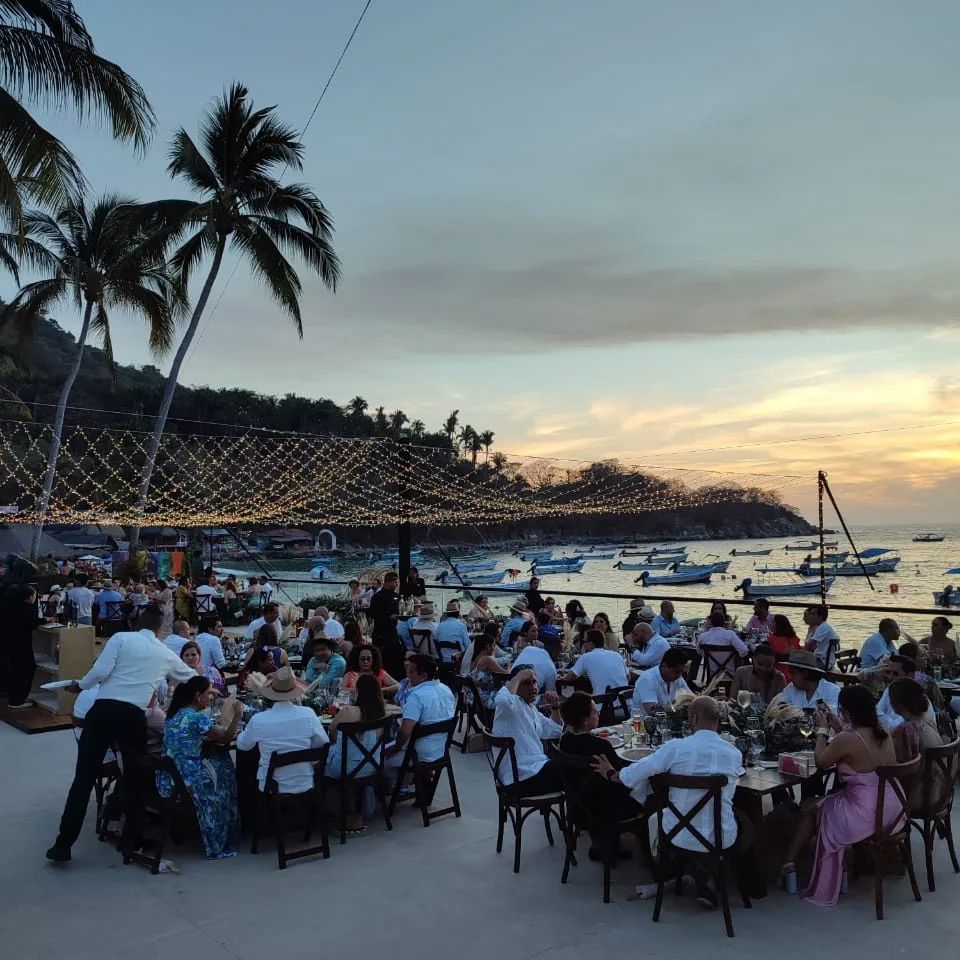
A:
(476, 566)
(649, 579)
(751, 553)
(809, 545)
(536, 555)
(600, 556)
(655, 552)
(776, 569)
(468, 557)
(796, 589)
(470, 578)
(541, 569)
(720, 567)
(659, 565)
(320, 572)
(947, 597)
(928, 538)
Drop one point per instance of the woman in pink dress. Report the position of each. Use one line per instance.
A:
(848, 815)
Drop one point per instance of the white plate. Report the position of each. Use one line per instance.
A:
(56, 684)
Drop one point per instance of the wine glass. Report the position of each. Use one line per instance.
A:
(806, 724)
(744, 699)
(650, 726)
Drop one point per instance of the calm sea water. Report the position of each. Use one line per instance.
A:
(921, 571)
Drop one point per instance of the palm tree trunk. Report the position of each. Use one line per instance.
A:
(170, 387)
(54, 452)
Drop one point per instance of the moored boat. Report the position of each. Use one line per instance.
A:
(648, 579)
(928, 538)
(798, 588)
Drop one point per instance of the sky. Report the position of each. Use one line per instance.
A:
(698, 234)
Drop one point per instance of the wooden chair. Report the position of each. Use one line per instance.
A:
(894, 839)
(613, 705)
(578, 780)
(848, 661)
(512, 804)
(427, 773)
(425, 642)
(715, 857)
(931, 814)
(718, 659)
(471, 712)
(369, 772)
(448, 671)
(276, 806)
(107, 778)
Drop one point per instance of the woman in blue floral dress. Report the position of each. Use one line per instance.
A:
(211, 780)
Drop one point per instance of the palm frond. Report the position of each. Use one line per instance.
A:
(269, 145)
(314, 250)
(45, 69)
(190, 253)
(270, 266)
(100, 325)
(57, 17)
(292, 200)
(185, 160)
(17, 251)
(30, 304)
(154, 306)
(220, 128)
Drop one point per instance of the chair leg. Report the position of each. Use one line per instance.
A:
(606, 873)
(453, 789)
(929, 835)
(911, 873)
(570, 842)
(878, 882)
(546, 824)
(661, 885)
(343, 812)
(948, 836)
(724, 899)
(278, 832)
(503, 823)
(517, 833)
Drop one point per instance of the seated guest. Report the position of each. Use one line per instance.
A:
(846, 816)
(940, 643)
(426, 621)
(760, 678)
(880, 645)
(210, 779)
(658, 687)
(491, 634)
(332, 627)
(190, 655)
(108, 602)
(266, 641)
(518, 718)
(518, 617)
(704, 753)
(365, 659)
(325, 663)
(665, 623)
(548, 635)
(284, 728)
(783, 640)
(897, 667)
(576, 617)
(452, 629)
(403, 627)
(428, 701)
(914, 735)
(480, 610)
(259, 660)
(717, 635)
(534, 656)
(601, 622)
(822, 639)
(210, 643)
(310, 629)
(647, 648)
(484, 667)
(762, 619)
(581, 717)
(271, 618)
(180, 635)
(603, 668)
(352, 636)
(808, 684)
(551, 609)
(633, 617)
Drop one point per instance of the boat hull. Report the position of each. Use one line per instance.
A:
(810, 589)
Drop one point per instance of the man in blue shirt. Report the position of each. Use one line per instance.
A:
(513, 625)
(665, 624)
(452, 629)
(882, 644)
(429, 701)
(109, 595)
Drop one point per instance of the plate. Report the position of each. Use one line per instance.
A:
(770, 764)
(56, 684)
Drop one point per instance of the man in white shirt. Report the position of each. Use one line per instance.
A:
(271, 616)
(129, 669)
(535, 657)
(898, 666)
(206, 595)
(603, 668)
(429, 701)
(81, 600)
(822, 639)
(332, 627)
(180, 635)
(211, 647)
(647, 648)
(284, 728)
(808, 686)
(659, 686)
(516, 716)
(882, 644)
(452, 629)
(703, 754)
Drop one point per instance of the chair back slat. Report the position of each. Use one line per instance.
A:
(484, 715)
(425, 642)
(313, 755)
(712, 787)
(937, 779)
(894, 775)
(505, 748)
(371, 762)
(719, 659)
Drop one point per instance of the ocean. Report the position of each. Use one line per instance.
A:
(921, 571)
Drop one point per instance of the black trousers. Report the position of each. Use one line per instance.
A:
(545, 780)
(21, 667)
(109, 723)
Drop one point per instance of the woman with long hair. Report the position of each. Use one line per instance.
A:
(783, 640)
(164, 599)
(352, 637)
(210, 780)
(601, 622)
(365, 660)
(849, 815)
(183, 600)
(191, 656)
(915, 735)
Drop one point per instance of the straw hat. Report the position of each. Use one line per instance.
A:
(453, 606)
(805, 660)
(637, 604)
(646, 613)
(427, 610)
(282, 685)
(519, 605)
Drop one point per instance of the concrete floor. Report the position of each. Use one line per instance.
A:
(410, 893)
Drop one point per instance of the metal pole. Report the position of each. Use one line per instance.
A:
(403, 527)
(821, 480)
(843, 523)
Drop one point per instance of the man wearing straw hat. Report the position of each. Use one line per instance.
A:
(809, 684)
(452, 629)
(633, 617)
(426, 622)
(518, 617)
(286, 727)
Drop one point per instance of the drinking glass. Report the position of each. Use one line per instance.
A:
(938, 673)
(636, 718)
(650, 726)
(756, 746)
(806, 724)
(744, 699)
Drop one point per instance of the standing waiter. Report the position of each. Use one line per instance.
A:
(129, 669)
(384, 611)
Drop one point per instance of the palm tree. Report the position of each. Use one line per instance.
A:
(357, 407)
(450, 425)
(97, 259)
(380, 421)
(417, 429)
(486, 440)
(476, 445)
(47, 57)
(499, 462)
(397, 419)
(466, 437)
(237, 173)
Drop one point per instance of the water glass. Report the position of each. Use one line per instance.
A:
(937, 674)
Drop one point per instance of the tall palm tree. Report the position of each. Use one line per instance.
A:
(499, 462)
(237, 171)
(475, 446)
(96, 259)
(418, 429)
(357, 407)
(47, 58)
(397, 419)
(466, 437)
(450, 425)
(380, 421)
(486, 440)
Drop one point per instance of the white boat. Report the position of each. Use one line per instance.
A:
(599, 556)
(541, 569)
(809, 545)
(721, 566)
(468, 557)
(658, 565)
(536, 554)
(445, 576)
(321, 572)
(476, 565)
(928, 538)
(751, 553)
(673, 554)
(649, 579)
(799, 588)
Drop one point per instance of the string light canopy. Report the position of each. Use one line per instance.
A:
(262, 477)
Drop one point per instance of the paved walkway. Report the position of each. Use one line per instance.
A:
(412, 893)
